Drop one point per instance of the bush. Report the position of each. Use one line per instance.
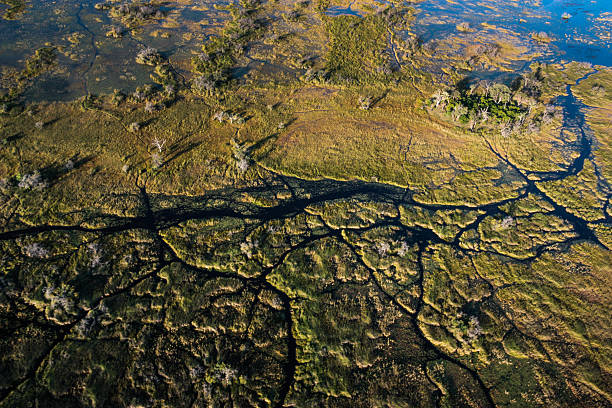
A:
(149, 56)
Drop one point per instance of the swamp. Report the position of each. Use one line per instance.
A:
(305, 203)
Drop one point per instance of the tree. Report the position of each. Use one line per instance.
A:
(148, 56)
(531, 103)
(159, 144)
(134, 127)
(486, 85)
(149, 107)
(156, 157)
(440, 97)
(506, 129)
(473, 120)
(484, 115)
(459, 111)
(500, 93)
(365, 102)
(241, 155)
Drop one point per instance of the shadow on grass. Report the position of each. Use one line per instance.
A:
(55, 171)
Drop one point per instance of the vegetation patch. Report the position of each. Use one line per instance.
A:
(14, 9)
(356, 48)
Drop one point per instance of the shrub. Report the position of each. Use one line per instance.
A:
(32, 181)
(134, 127)
(148, 56)
(35, 250)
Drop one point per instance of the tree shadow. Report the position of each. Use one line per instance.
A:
(261, 142)
(50, 122)
(379, 98)
(179, 148)
(464, 84)
(55, 171)
(14, 138)
(171, 102)
(147, 122)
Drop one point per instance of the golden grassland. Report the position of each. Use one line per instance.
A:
(459, 271)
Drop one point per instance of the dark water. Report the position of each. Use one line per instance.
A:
(584, 37)
(91, 62)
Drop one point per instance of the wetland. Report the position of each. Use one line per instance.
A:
(320, 203)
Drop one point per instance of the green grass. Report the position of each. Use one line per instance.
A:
(356, 48)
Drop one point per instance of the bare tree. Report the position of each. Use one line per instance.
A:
(159, 144)
(473, 120)
(156, 160)
(365, 102)
(459, 111)
(150, 107)
(531, 103)
(506, 129)
(440, 97)
(484, 114)
(241, 154)
(486, 85)
(134, 127)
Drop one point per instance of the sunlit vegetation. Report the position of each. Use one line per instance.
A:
(294, 215)
(487, 101)
(14, 8)
(220, 53)
(14, 83)
(356, 48)
(136, 13)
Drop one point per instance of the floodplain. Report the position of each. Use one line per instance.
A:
(305, 203)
